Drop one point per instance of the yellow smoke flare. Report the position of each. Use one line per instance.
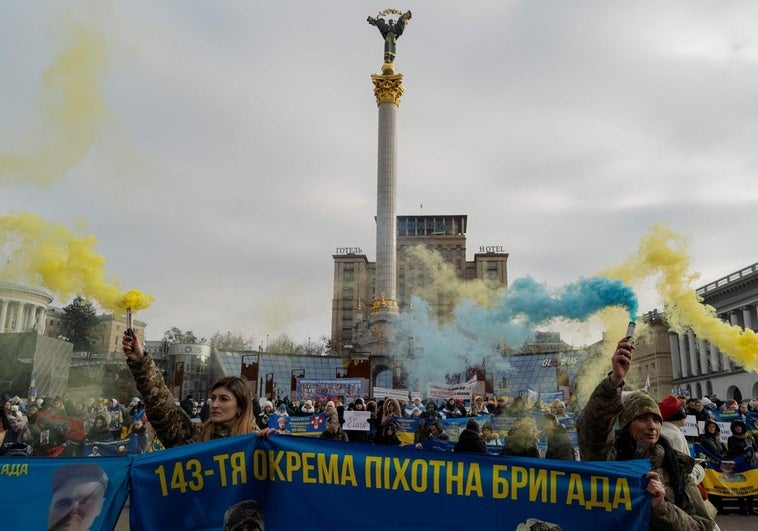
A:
(663, 254)
(63, 262)
(72, 106)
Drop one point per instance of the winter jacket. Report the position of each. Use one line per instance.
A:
(712, 443)
(171, 423)
(741, 444)
(470, 441)
(595, 430)
(675, 437)
(99, 433)
(559, 445)
(520, 446)
(339, 436)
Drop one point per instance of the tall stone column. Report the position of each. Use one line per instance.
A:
(40, 316)
(734, 320)
(676, 356)
(747, 318)
(703, 351)
(19, 317)
(684, 355)
(3, 314)
(27, 308)
(694, 370)
(388, 88)
(715, 357)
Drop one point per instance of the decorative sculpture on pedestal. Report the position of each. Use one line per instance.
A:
(390, 31)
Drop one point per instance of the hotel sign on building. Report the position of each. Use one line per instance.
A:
(348, 250)
(491, 249)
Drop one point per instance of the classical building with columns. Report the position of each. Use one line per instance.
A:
(31, 353)
(22, 309)
(28, 358)
(701, 368)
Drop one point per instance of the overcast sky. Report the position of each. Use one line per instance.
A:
(222, 150)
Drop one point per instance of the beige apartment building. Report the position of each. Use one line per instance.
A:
(354, 274)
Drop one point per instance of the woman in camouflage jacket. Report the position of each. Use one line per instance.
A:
(231, 403)
(677, 504)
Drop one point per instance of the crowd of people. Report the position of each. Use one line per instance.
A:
(610, 427)
(53, 426)
(429, 416)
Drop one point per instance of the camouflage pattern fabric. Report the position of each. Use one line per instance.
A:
(170, 422)
(595, 427)
(595, 431)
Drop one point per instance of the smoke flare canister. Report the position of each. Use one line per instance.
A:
(630, 329)
(129, 321)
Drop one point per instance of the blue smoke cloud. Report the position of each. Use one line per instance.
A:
(527, 298)
(477, 333)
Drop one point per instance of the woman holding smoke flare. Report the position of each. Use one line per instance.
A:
(677, 503)
(231, 403)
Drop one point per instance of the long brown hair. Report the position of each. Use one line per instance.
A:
(244, 422)
(5, 424)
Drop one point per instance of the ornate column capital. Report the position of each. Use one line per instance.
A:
(388, 89)
(385, 306)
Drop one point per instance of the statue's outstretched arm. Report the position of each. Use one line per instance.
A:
(399, 27)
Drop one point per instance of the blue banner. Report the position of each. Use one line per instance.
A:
(309, 426)
(300, 483)
(130, 445)
(198, 482)
(52, 493)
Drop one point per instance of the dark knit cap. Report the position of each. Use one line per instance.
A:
(244, 512)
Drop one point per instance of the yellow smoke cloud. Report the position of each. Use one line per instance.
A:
(61, 261)
(445, 286)
(597, 364)
(663, 254)
(72, 107)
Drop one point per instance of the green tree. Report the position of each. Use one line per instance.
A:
(77, 324)
(175, 335)
(229, 341)
(284, 344)
(319, 347)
